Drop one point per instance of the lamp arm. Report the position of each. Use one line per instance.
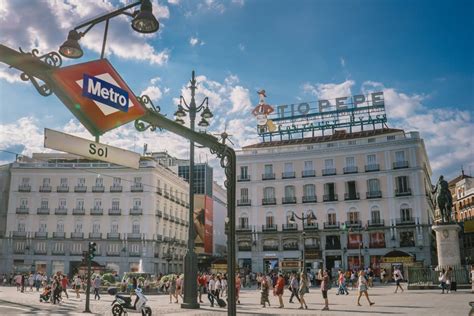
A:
(186, 106)
(107, 16)
(300, 218)
(200, 107)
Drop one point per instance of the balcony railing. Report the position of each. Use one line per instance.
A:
(287, 227)
(350, 169)
(270, 248)
(244, 202)
(116, 188)
(268, 176)
(115, 211)
(45, 188)
(354, 223)
(22, 210)
(95, 235)
(78, 211)
(291, 247)
(372, 167)
(166, 216)
(288, 175)
(24, 188)
(98, 188)
(40, 251)
(310, 226)
(134, 236)
(400, 164)
(374, 194)
(115, 236)
(42, 211)
(159, 237)
(75, 235)
(57, 252)
(331, 225)
(269, 228)
(377, 222)
(351, 196)
(60, 211)
(80, 189)
(245, 248)
(329, 171)
(377, 245)
(308, 173)
(137, 187)
(59, 235)
(405, 221)
(62, 189)
(407, 243)
(172, 218)
(309, 199)
(159, 191)
(113, 253)
(404, 192)
(288, 200)
(136, 211)
(244, 177)
(17, 234)
(134, 253)
(269, 201)
(329, 197)
(97, 211)
(245, 228)
(159, 213)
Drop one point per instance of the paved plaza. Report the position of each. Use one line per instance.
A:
(414, 302)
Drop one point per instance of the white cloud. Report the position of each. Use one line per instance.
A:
(193, 41)
(174, 2)
(329, 91)
(343, 62)
(239, 2)
(240, 98)
(154, 91)
(241, 47)
(10, 75)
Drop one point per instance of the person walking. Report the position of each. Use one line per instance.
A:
(211, 293)
(279, 288)
(294, 287)
(201, 286)
(363, 288)
(341, 280)
(264, 291)
(38, 279)
(449, 280)
(64, 284)
(325, 288)
(303, 289)
(353, 279)
(96, 284)
(442, 280)
(370, 274)
(383, 275)
(77, 285)
(172, 289)
(398, 277)
(224, 285)
(238, 284)
(31, 281)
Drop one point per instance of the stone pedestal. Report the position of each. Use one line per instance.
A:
(447, 244)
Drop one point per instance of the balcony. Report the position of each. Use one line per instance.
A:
(329, 172)
(42, 211)
(159, 213)
(244, 202)
(350, 169)
(372, 167)
(75, 235)
(310, 226)
(268, 176)
(244, 177)
(115, 211)
(172, 218)
(288, 175)
(375, 223)
(289, 227)
(329, 197)
(374, 194)
(172, 198)
(62, 189)
(270, 248)
(136, 211)
(113, 236)
(309, 199)
(351, 196)
(290, 247)
(78, 211)
(269, 201)
(41, 235)
(95, 235)
(331, 225)
(404, 192)
(166, 194)
(41, 251)
(134, 236)
(245, 248)
(137, 187)
(113, 253)
(159, 191)
(405, 221)
(59, 235)
(269, 228)
(308, 173)
(22, 210)
(24, 188)
(134, 253)
(98, 189)
(58, 252)
(288, 200)
(166, 216)
(60, 211)
(116, 189)
(45, 188)
(377, 244)
(17, 234)
(354, 223)
(97, 211)
(311, 246)
(159, 237)
(400, 164)
(245, 228)
(80, 189)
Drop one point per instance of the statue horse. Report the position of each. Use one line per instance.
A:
(444, 200)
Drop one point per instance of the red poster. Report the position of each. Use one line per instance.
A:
(354, 240)
(203, 223)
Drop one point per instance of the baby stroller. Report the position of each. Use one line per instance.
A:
(46, 295)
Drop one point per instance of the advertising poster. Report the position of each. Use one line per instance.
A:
(203, 215)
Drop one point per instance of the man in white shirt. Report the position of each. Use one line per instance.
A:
(211, 290)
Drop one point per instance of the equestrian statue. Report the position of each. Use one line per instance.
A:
(444, 200)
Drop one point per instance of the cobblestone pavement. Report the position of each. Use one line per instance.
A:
(414, 302)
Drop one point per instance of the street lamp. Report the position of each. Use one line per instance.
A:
(143, 22)
(309, 217)
(190, 259)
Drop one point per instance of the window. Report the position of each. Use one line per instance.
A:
(391, 137)
(23, 203)
(407, 239)
(136, 228)
(117, 182)
(309, 190)
(350, 161)
(62, 203)
(244, 194)
(353, 217)
(373, 185)
(328, 163)
(329, 189)
(289, 191)
(46, 181)
(351, 189)
(80, 204)
(288, 167)
(371, 159)
(58, 247)
(63, 182)
(115, 204)
(308, 165)
(399, 156)
(81, 182)
(137, 180)
(371, 140)
(351, 142)
(42, 228)
(114, 228)
(134, 248)
(99, 181)
(269, 193)
(60, 227)
(137, 203)
(44, 204)
(25, 181)
(21, 226)
(332, 218)
(244, 221)
(405, 213)
(244, 172)
(96, 227)
(97, 203)
(402, 184)
(375, 215)
(269, 220)
(268, 169)
(78, 227)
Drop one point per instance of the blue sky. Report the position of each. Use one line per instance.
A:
(420, 53)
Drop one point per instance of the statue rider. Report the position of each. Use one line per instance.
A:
(443, 199)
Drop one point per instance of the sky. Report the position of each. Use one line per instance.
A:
(419, 53)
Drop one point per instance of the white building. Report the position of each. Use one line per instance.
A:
(219, 199)
(57, 203)
(367, 189)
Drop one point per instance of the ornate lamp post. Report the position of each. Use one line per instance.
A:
(292, 220)
(190, 259)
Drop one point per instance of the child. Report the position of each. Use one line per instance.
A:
(46, 294)
(264, 289)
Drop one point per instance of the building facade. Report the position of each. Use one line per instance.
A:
(58, 203)
(368, 190)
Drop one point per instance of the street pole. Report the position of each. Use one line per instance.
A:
(88, 287)
(304, 235)
(360, 255)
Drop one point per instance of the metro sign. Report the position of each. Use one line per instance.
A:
(96, 94)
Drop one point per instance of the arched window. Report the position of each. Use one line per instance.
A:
(353, 216)
(269, 220)
(96, 227)
(114, 227)
(332, 220)
(406, 214)
(136, 227)
(243, 221)
(375, 215)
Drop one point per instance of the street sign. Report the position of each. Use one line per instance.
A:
(90, 149)
(96, 94)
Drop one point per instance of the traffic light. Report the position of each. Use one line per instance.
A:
(92, 249)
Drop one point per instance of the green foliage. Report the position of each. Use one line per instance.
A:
(109, 278)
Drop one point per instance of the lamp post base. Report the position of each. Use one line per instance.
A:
(190, 281)
(190, 305)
